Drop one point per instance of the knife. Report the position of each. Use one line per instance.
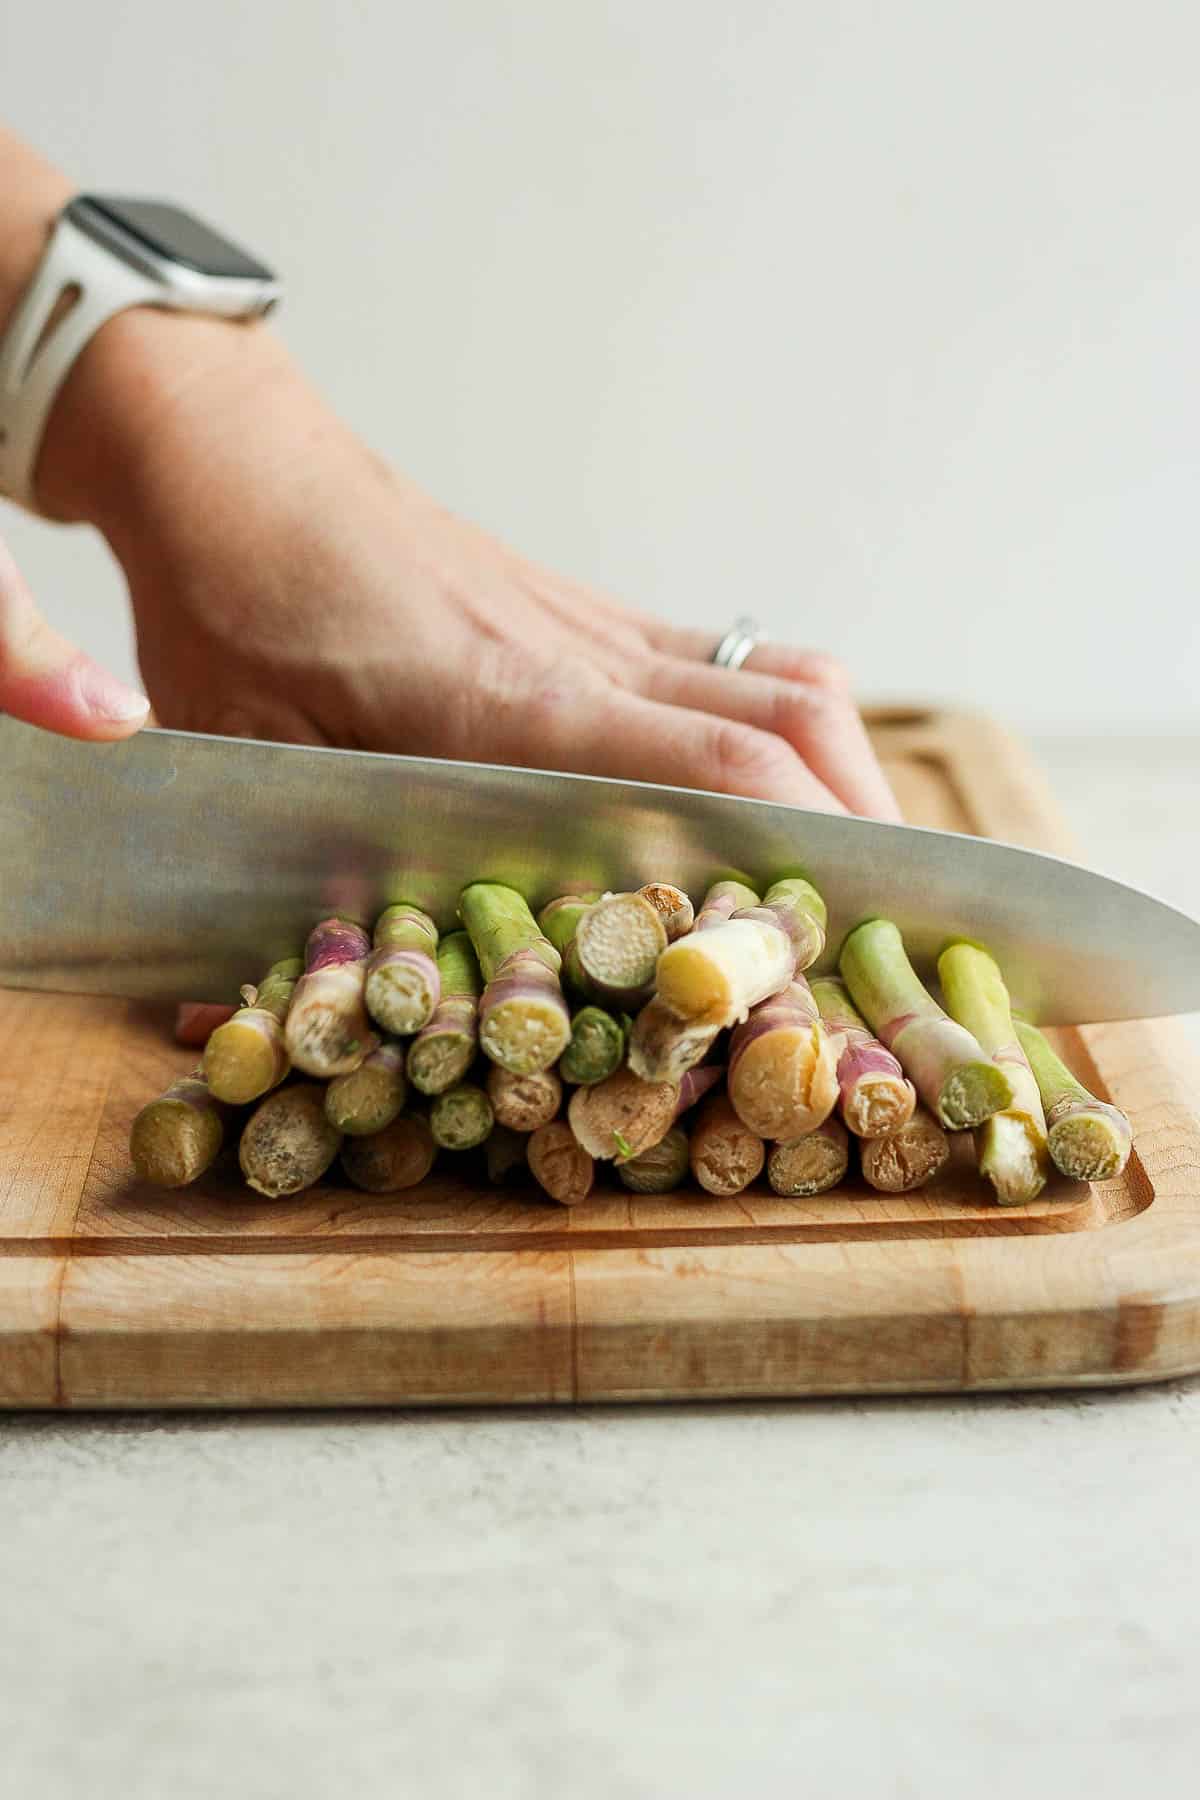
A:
(175, 865)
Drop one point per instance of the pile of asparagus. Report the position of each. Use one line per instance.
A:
(627, 1029)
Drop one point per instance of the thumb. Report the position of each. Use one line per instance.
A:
(48, 682)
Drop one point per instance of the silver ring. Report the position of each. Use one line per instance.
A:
(737, 643)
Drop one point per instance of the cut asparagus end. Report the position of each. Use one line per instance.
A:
(971, 1093)
(523, 1102)
(663, 1047)
(616, 949)
(1011, 1151)
(878, 1103)
(811, 1164)
(907, 1158)
(725, 1155)
(661, 1168)
(288, 1143)
(672, 906)
(371, 1096)
(174, 1139)
(714, 976)
(461, 1119)
(525, 1033)
(596, 1047)
(399, 1156)
(328, 1032)
(246, 1057)
(402, 990)
(560, 1165)
(440, 1057)
(1090, 1145)
(621, 1117)
(783, 1066)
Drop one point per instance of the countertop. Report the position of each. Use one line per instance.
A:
(931, 1597)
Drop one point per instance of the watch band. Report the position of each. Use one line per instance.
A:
(37, 352)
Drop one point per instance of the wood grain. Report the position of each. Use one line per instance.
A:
(115, 1295)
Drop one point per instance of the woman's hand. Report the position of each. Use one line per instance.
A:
(287, 584)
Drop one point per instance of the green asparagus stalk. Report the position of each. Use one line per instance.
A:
(371, 1096)
(559, 920)
(811, 1164)
(247, 1056)
(400, 1156)
(443, 1051)
(559, 1164)
(523, 1102)
(403, 985)
(1010, 1147)
(725, 1155)
(177, 1137)
(1089, 1139)
(716, 974)
(524, 1024)
(596, 1048)
(328, 1032)
(288, 1143)
(461, 1118)
(875, 1094)
(619, 1118)
(661, 1168)
(948, 1067)
(504, 1154)
(783, 1066)
(672, 906)
(906, 1158)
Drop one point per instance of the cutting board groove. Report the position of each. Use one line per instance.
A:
(112, 1294)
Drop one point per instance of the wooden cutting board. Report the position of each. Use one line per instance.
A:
(116, 1295)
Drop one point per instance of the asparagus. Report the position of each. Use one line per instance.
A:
(559, 1164)
(621, 1117)
(694, 1085)
(716, 974)
(1010, 1147)
(288, 1143)
(328, 1032)
(1089, 1140)
(371, 1096)
(811, 1164)
(659, 1169)
(672, 906)
(559, 919)
(524, 1024)
(725, 1155)
(615, 950)
(875, 1094)
(504, 1153)
(247, 1056)
(783, 1066)
(443, 1051)
(176, 1137)
(596, 1048)
(523, 1102)
(905, 1158)
(662, 1046)
(461, 1118)
(399, 1156)
(947, 1066)
(403, 985)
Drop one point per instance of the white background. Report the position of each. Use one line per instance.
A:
(879, 320)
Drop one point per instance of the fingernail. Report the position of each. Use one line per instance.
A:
(107, 698)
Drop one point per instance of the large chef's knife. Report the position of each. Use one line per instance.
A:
(175, 865)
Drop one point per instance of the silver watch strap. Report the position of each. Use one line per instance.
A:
(35, 360)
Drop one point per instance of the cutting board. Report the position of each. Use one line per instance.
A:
(112, 1294)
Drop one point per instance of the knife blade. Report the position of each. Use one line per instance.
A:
(176, 865)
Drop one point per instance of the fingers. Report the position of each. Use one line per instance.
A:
(48, 682)
(814, 714)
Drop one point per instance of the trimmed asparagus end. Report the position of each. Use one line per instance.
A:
(878, 1103)
(811, 1164)
(661, 1168)
(328, 1032)
(402, 990)
(523, 1102)
(288, 1143)
(246, 1057)
(1011, 1152)
(782, 1066)
(616, 948)
(441, 1054)
(971, 1093)
(399, 1156)
(174, 1139)
(907, 1158)
(672, 906)
(371, 1096)
(462, 1118)
(663, 1047)
(622, 1116)
(596, 1047)
(559, 1164)
(715, 975)
(524, 1022)
(1091, 1145)
(725, 1155)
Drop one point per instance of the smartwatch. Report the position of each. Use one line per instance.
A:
(106, 254)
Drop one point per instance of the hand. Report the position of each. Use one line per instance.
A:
(287, 584)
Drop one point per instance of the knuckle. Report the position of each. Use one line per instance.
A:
(743, 756)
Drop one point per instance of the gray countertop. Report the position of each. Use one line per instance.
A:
(929, 1597)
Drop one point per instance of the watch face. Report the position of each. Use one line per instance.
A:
(168, 232)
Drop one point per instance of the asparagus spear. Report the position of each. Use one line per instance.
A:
(403, 985)
(443, 1051)
(559, 919)
(176, 1137)
(662, 1046)
(694, 1085)
(875, 1094)
(504, 1153)
(615, 950)
(523, 1102)
(783, 1066)
(461, 1118)
(524, 1024)
(371, 1096)
(247, 1056)
(288, 1143)
(672, 906)
(621, 1117)
(811, 1164)
(725, 1155)
(596, 1048)
(399, 1156)
(661, 1168)
(948, 1067)
(1010, 1147)
(559, 1164)
(905, 1158)
(1089, 1139)
(328, 1032)
(716, 974)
